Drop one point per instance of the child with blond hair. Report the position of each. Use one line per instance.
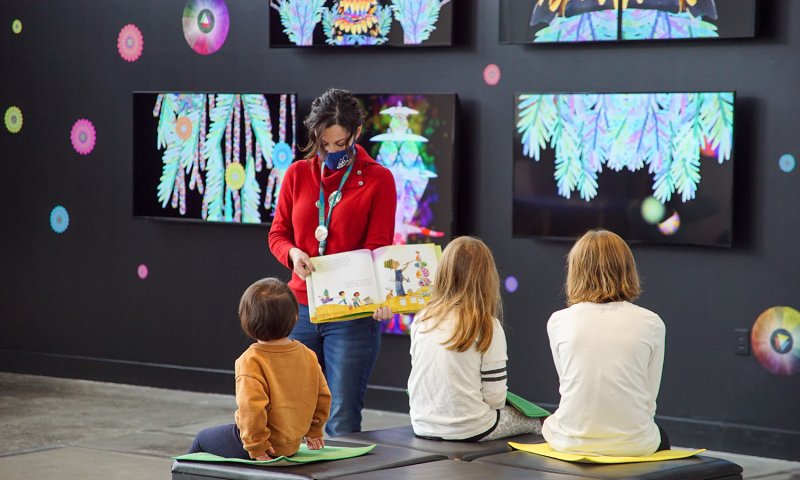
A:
(457, 387)
(608, 353)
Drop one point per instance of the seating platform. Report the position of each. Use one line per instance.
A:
(404, 437)
(399, 454)
(382, 457)
(699, 467)
(452, 469)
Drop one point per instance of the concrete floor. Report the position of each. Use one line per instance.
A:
(52, 428)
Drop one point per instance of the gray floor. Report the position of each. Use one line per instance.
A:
(79, 430)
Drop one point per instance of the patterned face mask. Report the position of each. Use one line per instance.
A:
(340, 159)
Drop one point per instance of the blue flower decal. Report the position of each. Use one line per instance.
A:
(787, 162)
(59, 219)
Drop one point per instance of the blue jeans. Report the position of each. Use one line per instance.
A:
(347, 352)
(223, 441)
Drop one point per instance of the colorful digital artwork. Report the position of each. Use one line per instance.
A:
(556, 21)
(130, 43)
(205, 25)
(775, 339)
(339, 23)
(412, 136)
(664, 141)
(216, 157)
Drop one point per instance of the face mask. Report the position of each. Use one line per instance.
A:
(340, 159)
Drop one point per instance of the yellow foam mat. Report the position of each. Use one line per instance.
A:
(545, 450)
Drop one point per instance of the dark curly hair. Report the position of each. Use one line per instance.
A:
(334, 107)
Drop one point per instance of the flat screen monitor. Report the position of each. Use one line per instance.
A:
(211, 157)
(570, 21)
(359, 23)
(413, 135)
(652, 167)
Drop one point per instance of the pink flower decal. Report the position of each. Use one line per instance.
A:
(83, 136)
(130, 43)
(491, 74)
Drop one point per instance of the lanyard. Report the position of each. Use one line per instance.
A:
(321, 233)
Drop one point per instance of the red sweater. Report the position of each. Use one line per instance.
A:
(364, 218)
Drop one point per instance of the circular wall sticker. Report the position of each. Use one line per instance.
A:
(142, 271)
(83, 136)
(491, 74)
(59, 219)
(130, 43)
(511, 284)
(787, 162)
(205, 25)
(776, 340)
(13, 119)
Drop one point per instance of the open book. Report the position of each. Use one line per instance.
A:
(350, 285)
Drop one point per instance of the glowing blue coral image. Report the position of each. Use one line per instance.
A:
(299, 18)
(654, 25)
(418, 18)
(664, 131)
(587, 27)
(220, 123)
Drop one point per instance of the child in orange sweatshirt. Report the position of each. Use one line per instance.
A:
(281, 393)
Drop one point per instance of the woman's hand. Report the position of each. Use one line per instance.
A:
(382, 313)
(301, 263)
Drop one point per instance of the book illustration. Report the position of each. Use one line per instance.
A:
(355, 284)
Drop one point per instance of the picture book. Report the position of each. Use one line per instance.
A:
(350, 285)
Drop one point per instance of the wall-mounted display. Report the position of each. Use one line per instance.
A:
(559, 21)
(413, 136)
(652, 167)
(217, 157)
(349, 23)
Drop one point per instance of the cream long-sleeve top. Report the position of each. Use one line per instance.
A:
(609, 359)
(454, 395)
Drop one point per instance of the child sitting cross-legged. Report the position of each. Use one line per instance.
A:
(281, 393)
(457, 386)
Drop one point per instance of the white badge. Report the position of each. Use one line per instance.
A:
(334, 198)
(321, 233)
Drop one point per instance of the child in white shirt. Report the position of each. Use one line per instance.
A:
(457, 386)
(608, 354)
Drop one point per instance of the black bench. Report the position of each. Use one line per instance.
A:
(380, 458)
(699, 467)
(404, 437)
(452, 469)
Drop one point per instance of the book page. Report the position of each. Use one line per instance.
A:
(343, 286)
(405, 275)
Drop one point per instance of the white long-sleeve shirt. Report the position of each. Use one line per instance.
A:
(454, 395)
(609, 359)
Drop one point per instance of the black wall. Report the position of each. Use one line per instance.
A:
(72, 304)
